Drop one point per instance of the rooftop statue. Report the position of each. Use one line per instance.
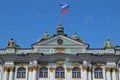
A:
(76, 37)
(108, 44)
(12, 43)
(46, 35)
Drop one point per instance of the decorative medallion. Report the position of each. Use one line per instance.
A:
(99, 64)
(21, 64)
(76, 64)
(43, 64)
(59, 49)
(60, 63)
(60, 41)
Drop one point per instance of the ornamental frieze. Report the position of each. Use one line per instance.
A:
(76, 64)
(59, 63)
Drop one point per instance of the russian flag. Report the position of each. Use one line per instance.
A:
(64, 8)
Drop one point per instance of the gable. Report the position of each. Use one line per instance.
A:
(59, 41)
(56, 43)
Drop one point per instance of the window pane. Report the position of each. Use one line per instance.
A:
(76, 72)
(21, 72)
(98, 73)
(43, 72)
(59, 73)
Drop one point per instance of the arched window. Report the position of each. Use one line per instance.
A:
(21, 72)
(59, 72)
(43, 72)
(76, 72)
(98, 73)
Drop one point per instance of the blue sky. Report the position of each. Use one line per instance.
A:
(26, 20)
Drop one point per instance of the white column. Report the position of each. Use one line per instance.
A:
(5, 75)
(119, 74)
(51, 76)
(113, 73)
(85, 73)
(11, 73)
(68, 76)
(89, 73)
(34, 77)
(30, 73)
(108, 76)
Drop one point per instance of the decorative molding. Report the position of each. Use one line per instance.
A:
(108, 69)
(44, 64)
(85, 68)
(21, 64)
(5, 69)
(11, 69)
(30, 69)
(59, 63)
(76, 64)
(68, 69)
(89, 69)
(99, 64)
(34, 68)
(114, 69)
(51, 69)
(59, 49)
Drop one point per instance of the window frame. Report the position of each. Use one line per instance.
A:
(21, 74)
(60, 72)
(98, 73)
(43, 72)
(76, 72)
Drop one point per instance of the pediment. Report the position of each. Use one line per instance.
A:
(60, 40)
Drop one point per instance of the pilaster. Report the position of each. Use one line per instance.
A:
(108, 76)
(89, 73)
(30, 69)
(5, 75)
(85, 72)
(34, 72)
(52, 70)
(68, 71)
(11, 73)
(113, 73)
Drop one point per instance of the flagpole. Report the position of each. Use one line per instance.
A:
(60, 15)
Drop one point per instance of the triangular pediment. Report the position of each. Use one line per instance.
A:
(59, 41)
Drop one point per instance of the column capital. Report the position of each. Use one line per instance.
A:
(108, 69)
(30, 69)
(51, 69)
(5, 69)
(114, 69)
(11, 69)
(35, 67)
(85, 68)
(89, 69)
(68, 69)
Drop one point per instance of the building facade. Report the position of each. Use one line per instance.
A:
(60, 57)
